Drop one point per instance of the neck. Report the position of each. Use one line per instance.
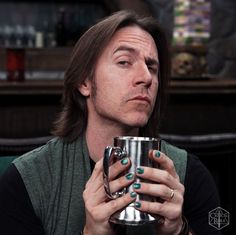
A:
(98, 137)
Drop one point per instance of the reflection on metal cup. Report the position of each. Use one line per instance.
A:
(137, 150)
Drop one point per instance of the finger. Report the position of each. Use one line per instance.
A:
(167, 210)
(117, 185)
(158, 191)
(158, 176)
(96, 179)
(98, 169)
(114, 170)
(115, 205)
(94, 198)
(118, 167)
(122, 182)
(164, 162)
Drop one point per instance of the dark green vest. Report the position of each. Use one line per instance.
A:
(55, 176)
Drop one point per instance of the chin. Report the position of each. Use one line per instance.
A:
(140, 122)
(135, 119)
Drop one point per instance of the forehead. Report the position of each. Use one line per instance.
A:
(134, 37)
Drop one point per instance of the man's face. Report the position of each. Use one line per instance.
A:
(125, 85)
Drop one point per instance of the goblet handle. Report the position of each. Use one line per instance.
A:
(110, 155)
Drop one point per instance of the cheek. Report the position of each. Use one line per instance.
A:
(108, 94)
(154, 89)
(110, 89)
(154, 94)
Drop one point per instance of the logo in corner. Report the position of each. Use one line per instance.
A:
(219, 218)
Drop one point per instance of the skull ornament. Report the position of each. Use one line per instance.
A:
(184, 64)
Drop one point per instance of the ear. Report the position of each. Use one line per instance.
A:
(85, 88)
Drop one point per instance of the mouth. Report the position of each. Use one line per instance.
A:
(140, 98)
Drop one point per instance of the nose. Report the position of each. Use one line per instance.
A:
(143, 76)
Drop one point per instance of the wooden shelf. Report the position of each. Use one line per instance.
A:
(195, 49)
(36, 87)
(55, 87)
(49, 59)
(210, 86)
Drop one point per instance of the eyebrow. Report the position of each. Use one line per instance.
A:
(125, 48)
(148, 60)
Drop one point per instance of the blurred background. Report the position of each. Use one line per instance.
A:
(36, 39)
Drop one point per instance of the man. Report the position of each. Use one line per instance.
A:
(114, 86)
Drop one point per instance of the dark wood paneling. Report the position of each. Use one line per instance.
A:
(200, 114)
(23, 116)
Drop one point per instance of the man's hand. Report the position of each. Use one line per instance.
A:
(167, 187)
(97, 205)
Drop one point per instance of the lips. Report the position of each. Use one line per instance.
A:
(141, 98)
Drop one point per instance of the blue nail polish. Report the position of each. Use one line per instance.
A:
(157, 154)
(129, 176)
(137, 185)
(133, 194)
(124, 161)
(140, 170)
(137, 204)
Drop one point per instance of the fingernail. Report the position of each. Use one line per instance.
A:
(133, 194)
(140, 170)
(129, 176)
(124, 161)
(157, 154)
(137, 204)
(137, 185)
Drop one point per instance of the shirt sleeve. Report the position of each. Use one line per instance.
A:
(201, 196)
(17, 216)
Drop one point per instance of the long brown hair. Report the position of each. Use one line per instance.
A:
(72, 121)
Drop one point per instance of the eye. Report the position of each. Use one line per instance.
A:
(153, 69)
(123, 62)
